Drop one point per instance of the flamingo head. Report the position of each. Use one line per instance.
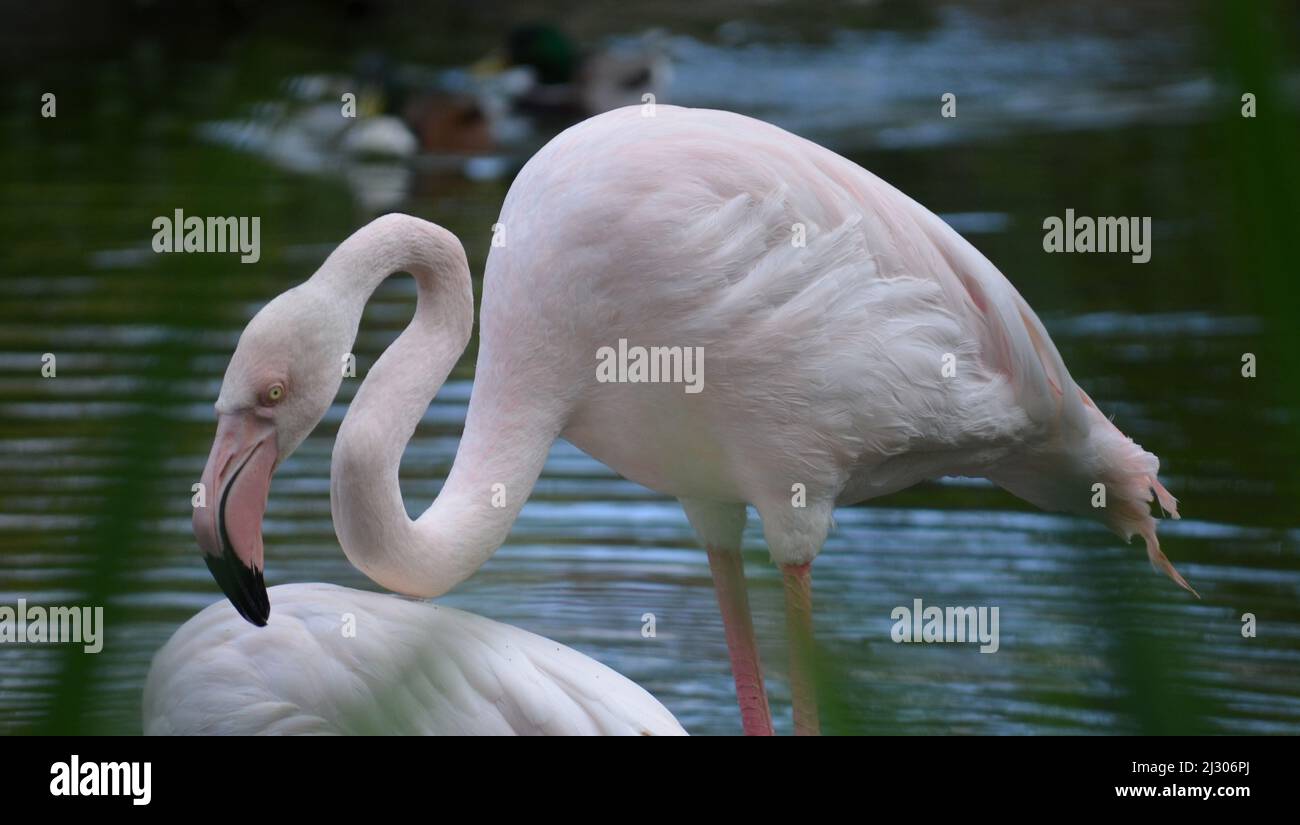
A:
(280, 382)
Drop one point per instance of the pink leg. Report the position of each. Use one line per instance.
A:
(729, 583)
(798, 618)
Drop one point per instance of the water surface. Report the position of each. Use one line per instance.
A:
(96, 464)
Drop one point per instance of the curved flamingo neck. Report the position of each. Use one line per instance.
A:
(462, 528)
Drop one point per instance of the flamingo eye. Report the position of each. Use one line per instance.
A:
(274, 393)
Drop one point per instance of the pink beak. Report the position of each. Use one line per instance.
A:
(237, 480)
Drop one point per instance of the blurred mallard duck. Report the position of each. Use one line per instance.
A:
(535, 84)
(537, 81)
(308, 129)
(569, 81)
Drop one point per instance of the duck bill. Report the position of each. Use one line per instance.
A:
(489, 65)
(228, 528)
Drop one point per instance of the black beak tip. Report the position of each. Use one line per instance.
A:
(243, 585)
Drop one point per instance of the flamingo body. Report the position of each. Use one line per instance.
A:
(339, 661)
(826, 304)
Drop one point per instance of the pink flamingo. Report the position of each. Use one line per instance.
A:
(340, 661)
(853, 345)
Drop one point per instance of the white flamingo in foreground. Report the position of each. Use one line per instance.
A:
(826, 303)
(341, 661)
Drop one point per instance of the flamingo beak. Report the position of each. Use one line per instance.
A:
(236, 482)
